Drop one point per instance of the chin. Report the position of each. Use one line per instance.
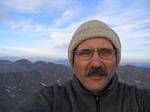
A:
(97, 86)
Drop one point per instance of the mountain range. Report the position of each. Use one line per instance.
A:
(19, 79)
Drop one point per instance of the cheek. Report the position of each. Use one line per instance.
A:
(111, 67)
(79, 67)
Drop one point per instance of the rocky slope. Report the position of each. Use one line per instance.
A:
(21, 78)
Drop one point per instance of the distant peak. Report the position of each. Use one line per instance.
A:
(23, 61)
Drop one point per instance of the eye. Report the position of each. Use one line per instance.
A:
(106, 52)
(85, 52)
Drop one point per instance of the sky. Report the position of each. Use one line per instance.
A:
(43, 28)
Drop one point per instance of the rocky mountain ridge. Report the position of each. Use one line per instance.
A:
(21, 78)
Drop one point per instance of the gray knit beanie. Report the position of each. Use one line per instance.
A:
(91, 29)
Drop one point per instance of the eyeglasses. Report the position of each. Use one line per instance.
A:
(87, 53)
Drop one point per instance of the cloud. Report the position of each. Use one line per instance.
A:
(54, 46)
(22, 25)
(140, 46)
(132, 23)
(144, 44)
(59, 39)
(36, 6)
(129, 19)
(66, 11)
(14, 51)
(140, 57)
(134, 32)
(65, 15)
(39, 29)
(68, 15)
(31, 52)
(59, 36)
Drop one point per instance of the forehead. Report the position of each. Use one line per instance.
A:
(97, 42)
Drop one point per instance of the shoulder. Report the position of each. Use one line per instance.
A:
(49, 90)
(136, 96)
(54, 91)
(45, 99)
(132, 93)
(133, 89)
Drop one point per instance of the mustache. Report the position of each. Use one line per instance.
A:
(96, 71)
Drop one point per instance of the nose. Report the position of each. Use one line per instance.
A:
(96, 60)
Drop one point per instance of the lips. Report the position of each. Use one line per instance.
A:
(95, 77)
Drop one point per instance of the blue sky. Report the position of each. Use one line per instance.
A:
(43, 28)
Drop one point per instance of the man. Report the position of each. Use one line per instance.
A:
(94, 54)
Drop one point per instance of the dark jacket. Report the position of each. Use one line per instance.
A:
(73, 97)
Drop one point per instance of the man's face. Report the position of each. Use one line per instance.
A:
(95, 71)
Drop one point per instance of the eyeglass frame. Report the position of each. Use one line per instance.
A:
(92, 51)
